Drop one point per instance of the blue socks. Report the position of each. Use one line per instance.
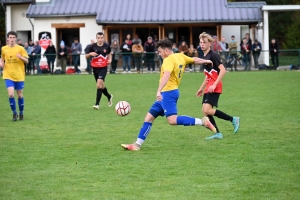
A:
(12, 104)
(145, 130)
(186, 121)
(21, 105)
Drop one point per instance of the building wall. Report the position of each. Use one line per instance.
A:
(85, 33)
(19, 22)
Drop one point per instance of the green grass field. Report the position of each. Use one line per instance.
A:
(66, 150)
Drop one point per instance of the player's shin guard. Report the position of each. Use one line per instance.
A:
(145, 130)
(21, 105)
(186, 121)
(12, 104)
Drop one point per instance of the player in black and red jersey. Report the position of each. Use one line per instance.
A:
(212, 87)
(101, 57)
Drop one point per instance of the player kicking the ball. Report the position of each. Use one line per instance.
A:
(212, 87)
(167, 94)
(12, 60)
(101, 57)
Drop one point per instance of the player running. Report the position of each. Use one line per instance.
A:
(12, 60)
(101, 57)
(213, 87)
(167, 94)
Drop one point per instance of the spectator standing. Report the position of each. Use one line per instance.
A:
(248, 40)
(50, 54)
(224, 48)
(88, 60)
(137, 50)
(36, 54)
(115, 49)
(182, 39)
(233, 50)
(28, 50)
(30, 43)
(192, 52)
(20, 42)
(246, 52)
(155, 39)
(256, 47)
(215, 46)
(149, 50)
(126, 55)
(274, 52)
(62, 55)
(76, 49)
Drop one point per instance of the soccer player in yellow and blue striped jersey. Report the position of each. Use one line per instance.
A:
(167, 95)
(12, 60)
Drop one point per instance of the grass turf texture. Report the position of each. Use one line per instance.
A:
(66, 150)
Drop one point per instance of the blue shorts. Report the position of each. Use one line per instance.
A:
(17, 85)
(168, 105)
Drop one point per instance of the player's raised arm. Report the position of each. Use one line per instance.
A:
(202, 61)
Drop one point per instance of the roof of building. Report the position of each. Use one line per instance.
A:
(152, 11)
(15, 1)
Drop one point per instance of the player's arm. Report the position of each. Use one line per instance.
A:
(109, 57)
(201, 61)
(221, 74)
(24, 59)
(1, 63)
(163, 82)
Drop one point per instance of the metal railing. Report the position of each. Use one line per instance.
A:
(151, 62)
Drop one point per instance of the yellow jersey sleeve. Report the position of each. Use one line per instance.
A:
(188, 60)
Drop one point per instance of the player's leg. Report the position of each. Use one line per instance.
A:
(155, 111)
(102, 74)
(19, 88)
(99, 86)
(10, 86)
(209, 101)
(169, 104)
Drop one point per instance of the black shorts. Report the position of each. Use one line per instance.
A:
(211, 98)
(100, 73)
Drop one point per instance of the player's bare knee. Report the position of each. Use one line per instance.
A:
(11, 95)
(207, 110)
(172, 120)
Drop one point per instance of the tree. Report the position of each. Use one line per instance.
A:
(292, 37)
(279, 22)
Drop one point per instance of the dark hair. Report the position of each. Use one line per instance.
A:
(99, 33)
(75, 38)
(164, 43)
(11, 33)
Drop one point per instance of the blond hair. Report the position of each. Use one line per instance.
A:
(206, 35)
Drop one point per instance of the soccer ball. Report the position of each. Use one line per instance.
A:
(122, 108)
